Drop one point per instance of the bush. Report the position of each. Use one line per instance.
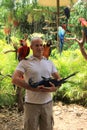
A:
(67, 63)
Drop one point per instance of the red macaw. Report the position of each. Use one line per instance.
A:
(83, 22)
(47, 49)
(23, 51)
(84, 25)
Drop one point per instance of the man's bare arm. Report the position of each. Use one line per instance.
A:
(52, 88)
(56, 76)
(18, 80)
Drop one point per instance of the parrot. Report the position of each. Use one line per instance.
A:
(84, 25)
(61, 34)
(23, 50)
(67, 14)
(83, 22)
(47, 49)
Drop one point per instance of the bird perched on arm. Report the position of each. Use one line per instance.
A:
(47, 49)
(23, 50)
(61, 34)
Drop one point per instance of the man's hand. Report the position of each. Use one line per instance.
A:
(42, 88)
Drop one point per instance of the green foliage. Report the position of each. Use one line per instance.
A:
(12, 10)
(69, 61)
(7, 92)
(79, 11)
(7, 99)
(7, 66)
(76, 89)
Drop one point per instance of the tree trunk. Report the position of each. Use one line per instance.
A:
(83, 51)
(81, 45)
(19, 95)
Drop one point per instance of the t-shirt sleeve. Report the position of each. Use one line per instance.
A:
(21, 66)
(54, 69)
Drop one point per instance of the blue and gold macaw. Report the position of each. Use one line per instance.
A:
(61, 34)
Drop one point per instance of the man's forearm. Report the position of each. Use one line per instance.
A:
(21, 83)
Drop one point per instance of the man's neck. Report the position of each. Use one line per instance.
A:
(38, 57)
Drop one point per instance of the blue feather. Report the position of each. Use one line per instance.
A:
(61, 34)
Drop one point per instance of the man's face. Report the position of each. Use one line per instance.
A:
(37, 47)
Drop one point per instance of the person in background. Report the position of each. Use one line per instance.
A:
(38, 101)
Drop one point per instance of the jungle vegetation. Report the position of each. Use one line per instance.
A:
(17, 18)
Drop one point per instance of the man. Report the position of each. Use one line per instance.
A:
(38, 101)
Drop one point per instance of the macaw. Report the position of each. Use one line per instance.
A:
(84, 25)
(23, 51)
(67, 14)
(47, 49)
(64, 26)
(83, 22)
(61, 34)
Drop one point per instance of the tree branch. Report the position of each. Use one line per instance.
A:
(82, 49)
(4, 76)
(81, 44)
(9, 51)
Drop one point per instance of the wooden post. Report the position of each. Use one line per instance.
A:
(58, 5)
(57, 16)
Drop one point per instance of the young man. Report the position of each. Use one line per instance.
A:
(38, 101)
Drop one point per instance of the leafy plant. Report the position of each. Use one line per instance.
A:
(79, 12)
(76, 89)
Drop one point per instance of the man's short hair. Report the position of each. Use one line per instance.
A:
(35, 38)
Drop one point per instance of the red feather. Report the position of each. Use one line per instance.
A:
(23, 51)
(83, 22)
(47, 49)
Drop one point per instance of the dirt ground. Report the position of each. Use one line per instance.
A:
(66, 117)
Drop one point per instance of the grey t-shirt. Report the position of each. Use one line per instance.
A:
(35, 69)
